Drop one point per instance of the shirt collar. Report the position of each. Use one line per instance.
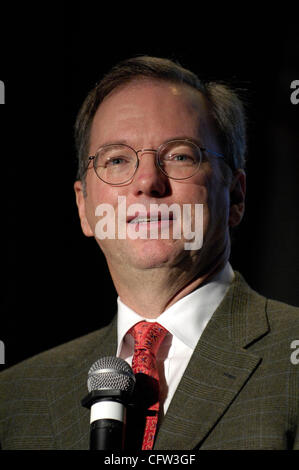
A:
(188, 317)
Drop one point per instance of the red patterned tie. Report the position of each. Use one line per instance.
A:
(148, 337)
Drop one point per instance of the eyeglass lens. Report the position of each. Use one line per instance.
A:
(116, 164)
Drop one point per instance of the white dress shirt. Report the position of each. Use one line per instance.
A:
(185, 320)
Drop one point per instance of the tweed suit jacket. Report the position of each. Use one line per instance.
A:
(240, 389)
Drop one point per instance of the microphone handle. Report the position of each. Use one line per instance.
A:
(107, 418)
(107, 434)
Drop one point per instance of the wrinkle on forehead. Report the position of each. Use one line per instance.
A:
(125, 107)
(193, 97)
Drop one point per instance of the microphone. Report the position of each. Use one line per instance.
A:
(110, 384)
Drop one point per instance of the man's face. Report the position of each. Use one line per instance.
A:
(145, 114)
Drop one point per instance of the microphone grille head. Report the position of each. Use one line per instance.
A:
(111, 373)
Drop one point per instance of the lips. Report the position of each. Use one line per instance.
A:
(149, 217)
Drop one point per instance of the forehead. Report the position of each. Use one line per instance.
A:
(151, 109)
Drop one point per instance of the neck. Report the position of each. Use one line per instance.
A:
(150, 292)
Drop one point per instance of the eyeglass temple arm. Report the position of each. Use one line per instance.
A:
(219, 155)
(205, 149)
(92, 157)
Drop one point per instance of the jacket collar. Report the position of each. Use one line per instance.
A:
(218, 368)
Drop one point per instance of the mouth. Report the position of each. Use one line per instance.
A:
(150, 218)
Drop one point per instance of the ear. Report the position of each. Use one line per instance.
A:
(80, 201)
(237, 198)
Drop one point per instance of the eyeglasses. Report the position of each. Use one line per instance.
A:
(116, 164)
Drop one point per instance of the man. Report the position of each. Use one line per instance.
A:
(152, 133)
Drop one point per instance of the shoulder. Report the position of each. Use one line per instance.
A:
(284, 330)
(27, 388)
(65, 355)
(272, 325)
(278, 313)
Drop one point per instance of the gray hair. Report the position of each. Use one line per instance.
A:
(226, 107)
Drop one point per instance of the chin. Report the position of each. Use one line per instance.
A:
(156, 253)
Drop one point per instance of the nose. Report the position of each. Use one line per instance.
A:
(149, 179)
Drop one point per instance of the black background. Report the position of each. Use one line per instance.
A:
(55, 283)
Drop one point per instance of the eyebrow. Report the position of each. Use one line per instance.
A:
(180, 137)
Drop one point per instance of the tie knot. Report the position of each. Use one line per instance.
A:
(148, 335)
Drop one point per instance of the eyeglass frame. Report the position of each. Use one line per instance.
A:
(157, 151)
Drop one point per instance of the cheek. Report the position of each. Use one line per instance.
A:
(214, 196)
(218, 194)
(192, 191)
(219, 207)
(106, 196)
(193, 194)
(97, 193)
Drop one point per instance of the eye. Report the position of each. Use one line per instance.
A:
(115, 161)
(179, 158)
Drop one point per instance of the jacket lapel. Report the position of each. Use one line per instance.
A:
(218, 369)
